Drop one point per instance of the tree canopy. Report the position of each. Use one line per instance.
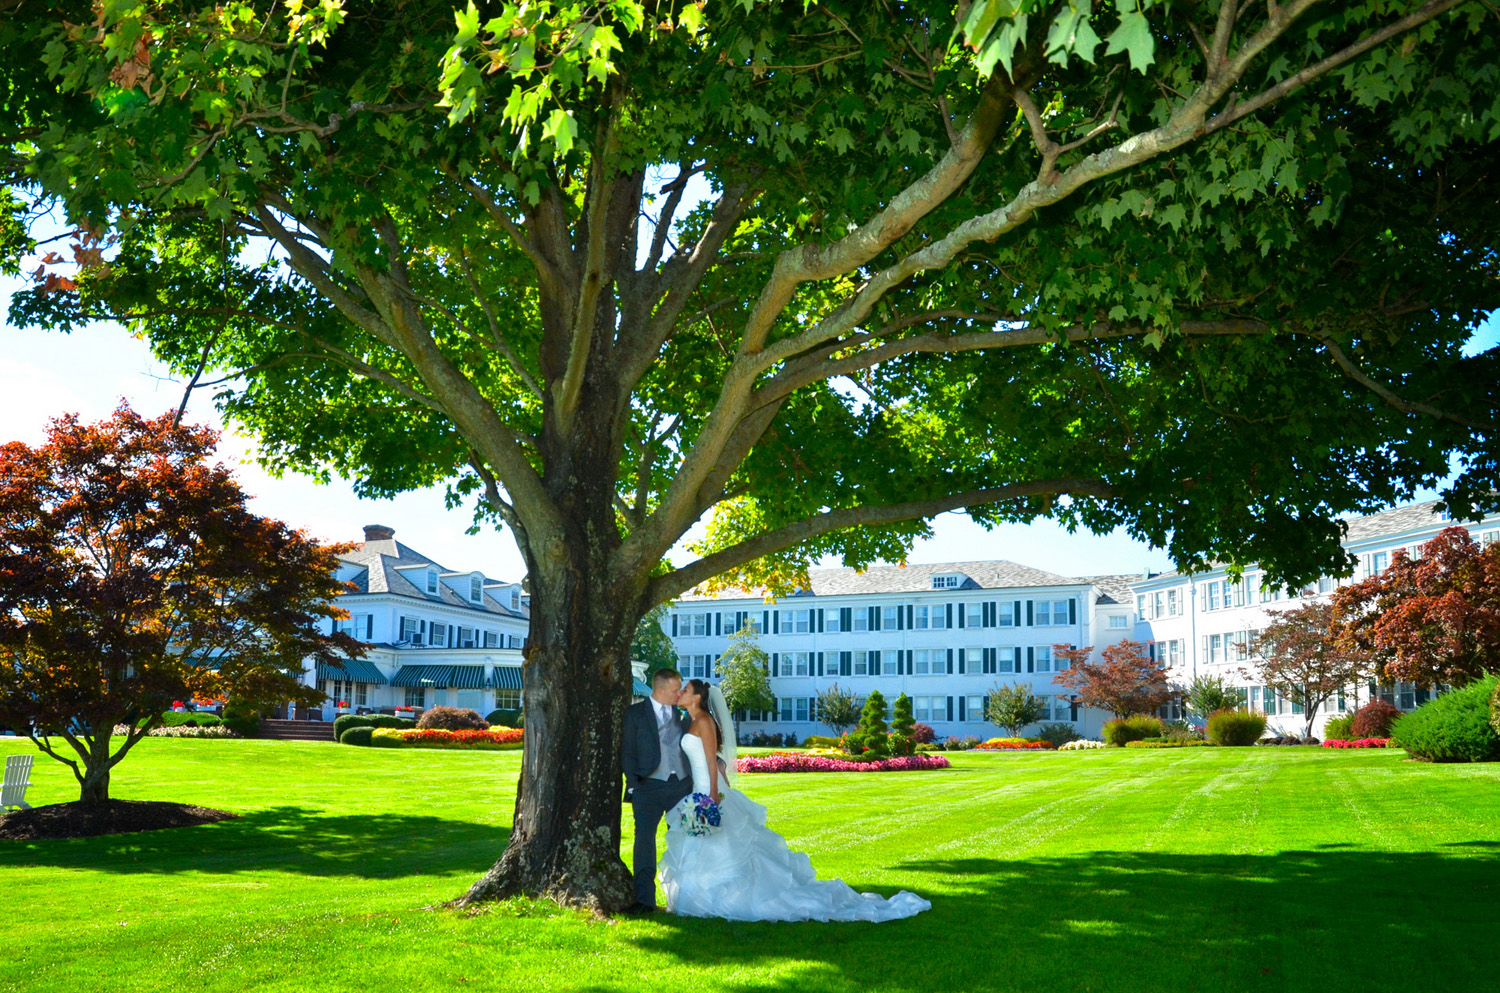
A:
(132, 575)
(812, 272)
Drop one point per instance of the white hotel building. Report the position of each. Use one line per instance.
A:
(1206, 624)
(436, 636)
(942, 634)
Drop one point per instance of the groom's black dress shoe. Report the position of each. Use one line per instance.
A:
(640, 909)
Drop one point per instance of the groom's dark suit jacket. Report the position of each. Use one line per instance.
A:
(640, 753)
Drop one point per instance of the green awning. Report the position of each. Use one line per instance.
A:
(638, 688)
(423, 676)
(507, 677)
(468, 677)
(353, 670)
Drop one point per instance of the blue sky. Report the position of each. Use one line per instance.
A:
(46, 374)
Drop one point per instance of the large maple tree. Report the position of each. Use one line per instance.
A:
(132, 575)
(812, 272)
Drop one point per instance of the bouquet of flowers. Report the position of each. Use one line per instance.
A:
(700, 815)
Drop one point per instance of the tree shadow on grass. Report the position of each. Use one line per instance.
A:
(282, 839)
(1299, 922)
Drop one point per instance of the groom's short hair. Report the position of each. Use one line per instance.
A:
(665, 676)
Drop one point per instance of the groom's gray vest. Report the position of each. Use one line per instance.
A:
(669, 737)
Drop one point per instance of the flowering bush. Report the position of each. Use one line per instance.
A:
(182, 731)
(1080, 746)
(495, 739)
(1374, 720)
(1014, 745)
(802, 762)
(1167, 743)
(1357, 743)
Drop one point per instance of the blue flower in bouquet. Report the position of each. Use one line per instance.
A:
(701, 815)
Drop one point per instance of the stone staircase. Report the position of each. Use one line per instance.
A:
(296, 730)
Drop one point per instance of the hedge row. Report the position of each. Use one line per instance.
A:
(344, 723)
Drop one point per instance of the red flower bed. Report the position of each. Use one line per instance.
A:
(1014, 745)
(1357, 743)
(798, 762)
(440, 737)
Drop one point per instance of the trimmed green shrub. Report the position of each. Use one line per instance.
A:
(870, 742)
(1373, 720)
(821, 741)
(1340, 727)
(903, 727)
(1168, 743)
(452, 719)
(1236, 727)
(387, 721)
(507, 718)
(347, 721)
(241, 718)
(1058, 734)
(1125, 729)
(1495, 710)
(358, 734)
(1455, 727)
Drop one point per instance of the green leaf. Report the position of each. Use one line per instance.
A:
(562, 129)
(1133, 36)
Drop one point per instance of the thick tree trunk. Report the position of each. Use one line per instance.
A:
(565, 839)
(95, 785)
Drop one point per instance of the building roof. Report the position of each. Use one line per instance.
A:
(1112, 589)
(1413, 517)
(388, 566)
(914, 578)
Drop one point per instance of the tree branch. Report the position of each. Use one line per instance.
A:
(1391, 397)
(680, 580)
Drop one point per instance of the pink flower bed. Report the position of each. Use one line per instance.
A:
(797, 762)
(1357, 743)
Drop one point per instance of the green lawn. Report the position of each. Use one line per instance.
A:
(1260, 869)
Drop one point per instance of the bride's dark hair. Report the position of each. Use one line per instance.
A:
(700, 687)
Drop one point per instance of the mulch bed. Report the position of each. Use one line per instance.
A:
(86, 820)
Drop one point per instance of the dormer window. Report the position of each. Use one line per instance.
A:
(476, 589)
(949, 582)
(432, 581)
(515, 599)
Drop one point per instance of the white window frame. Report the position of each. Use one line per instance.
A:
(1042, 653)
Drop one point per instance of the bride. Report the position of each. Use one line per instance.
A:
(743, 870)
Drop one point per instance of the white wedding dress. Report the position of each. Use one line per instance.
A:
(744, 871)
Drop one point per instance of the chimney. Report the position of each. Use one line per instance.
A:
(379, 532)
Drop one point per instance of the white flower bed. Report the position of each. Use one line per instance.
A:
(1078, 746)
(185, 731)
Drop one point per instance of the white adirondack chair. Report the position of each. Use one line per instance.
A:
(17, 778)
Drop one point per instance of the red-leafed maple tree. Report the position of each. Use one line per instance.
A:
(1302, 660)
(1432, 620)
(1124, 681)
(131, 575)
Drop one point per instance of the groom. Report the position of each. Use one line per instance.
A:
(656, 774)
